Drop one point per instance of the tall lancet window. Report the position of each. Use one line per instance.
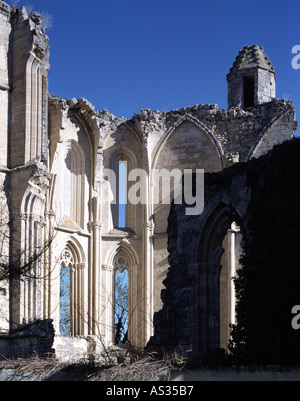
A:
(73, 184)
(121, 306)
(65, 293)
(122, 190)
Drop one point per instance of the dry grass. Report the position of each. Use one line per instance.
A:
(144, 368)
(147, 367)
(34, 365)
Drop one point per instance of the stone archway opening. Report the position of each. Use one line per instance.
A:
(229, 266)
(121, 315)
(219, 251)
(66, 265)
(71, 319)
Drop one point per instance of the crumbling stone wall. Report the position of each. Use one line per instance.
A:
(190, 317)
(52, 149)
(34, 339)
(238, 131)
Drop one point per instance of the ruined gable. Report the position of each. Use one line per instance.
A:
(58, 156)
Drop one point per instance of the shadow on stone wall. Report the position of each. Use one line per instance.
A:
(33, 339)
(189, 317)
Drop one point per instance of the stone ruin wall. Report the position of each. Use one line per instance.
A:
(230, 194)
(5, 44)
(31, 340)
(240, 134)
(200, 136)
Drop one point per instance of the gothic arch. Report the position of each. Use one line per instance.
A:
(125, 142)
(189, 144)
(200, 125)
(80, 112)
(76, 248)
(209, 326)
(74, 182)
(32, 223)
(33, 203)
(34, 196)
(34, 99)
(137, 134)
(267, 131)
(142, 139)
(73, 258)
(123, 154)
(124, 248)
(215, 223)
(31, 244)
(84, 113)
(122, 257)
(70, 177)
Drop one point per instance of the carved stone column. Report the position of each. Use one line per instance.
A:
(147, 283)
(94, 284)
(106, 311)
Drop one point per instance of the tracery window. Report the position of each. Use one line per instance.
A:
(66, 264)
(121, 316)
(72, 302)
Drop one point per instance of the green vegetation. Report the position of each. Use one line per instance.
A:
(268, 284)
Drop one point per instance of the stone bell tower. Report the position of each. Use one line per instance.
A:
(251, 80)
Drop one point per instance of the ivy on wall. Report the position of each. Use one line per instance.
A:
(268, 283)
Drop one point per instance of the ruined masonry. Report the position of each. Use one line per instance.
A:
(55, 195)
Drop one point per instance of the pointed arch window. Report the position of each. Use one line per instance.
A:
(123, 213)
(65, 293)
(121, 317)
(72, 309)
(122, 191)
(73, 183)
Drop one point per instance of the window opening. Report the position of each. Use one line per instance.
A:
(65, 294)
(122, 186)
(230, 263)
(121, 304)
(248, 91)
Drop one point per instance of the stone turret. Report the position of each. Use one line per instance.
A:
(251, 80)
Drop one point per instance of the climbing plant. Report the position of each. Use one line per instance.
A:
(268, 283)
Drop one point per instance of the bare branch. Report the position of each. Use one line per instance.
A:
(14, 3)
(29, 8)
(46, 20)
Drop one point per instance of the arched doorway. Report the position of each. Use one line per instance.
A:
(218, 252)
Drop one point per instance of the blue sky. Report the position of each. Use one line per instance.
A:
(125, 55)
